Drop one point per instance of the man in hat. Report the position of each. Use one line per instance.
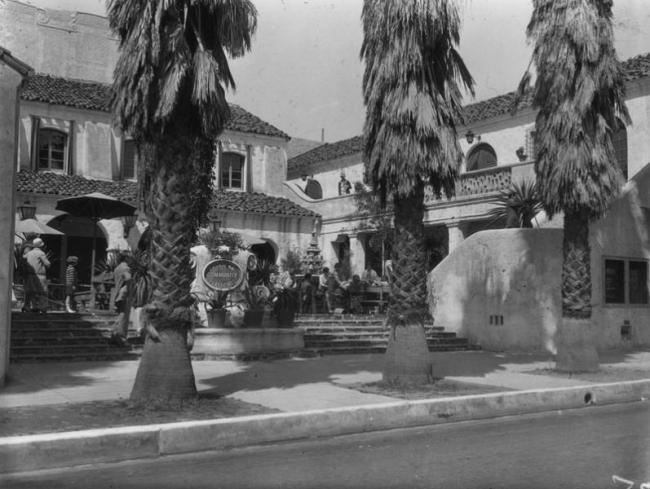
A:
(36, 282)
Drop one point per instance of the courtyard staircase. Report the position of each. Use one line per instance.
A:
(59, 336)
(347, 333)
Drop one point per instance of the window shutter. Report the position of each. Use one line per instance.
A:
(36, 126)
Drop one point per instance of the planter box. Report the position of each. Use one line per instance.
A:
(237, 341)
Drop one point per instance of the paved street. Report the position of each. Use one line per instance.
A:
(582, 448)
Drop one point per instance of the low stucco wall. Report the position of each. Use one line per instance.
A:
(502, 288)
(513, 274)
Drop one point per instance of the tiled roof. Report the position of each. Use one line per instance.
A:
(328, 151)
(298, 146)
(257, 203)
(71, 185)
(96, 96)
(634, 69)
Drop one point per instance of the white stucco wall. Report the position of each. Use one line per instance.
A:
(63, 43)
(638, 133)
(284, 232)
(328, 174)
(9, 81)
(513, 273)
(268, 159)
(96, 144)
(516, 273)
(623, 233)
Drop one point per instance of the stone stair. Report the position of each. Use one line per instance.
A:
(59, 336)
(345, 333)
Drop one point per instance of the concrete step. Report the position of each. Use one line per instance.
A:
(75, 357)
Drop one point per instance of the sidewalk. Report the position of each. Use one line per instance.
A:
(311, 396)
(296, 384)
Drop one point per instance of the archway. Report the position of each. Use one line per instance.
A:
(78, 241)
(265, 252)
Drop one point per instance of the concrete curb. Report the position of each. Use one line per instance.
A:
(55, 450)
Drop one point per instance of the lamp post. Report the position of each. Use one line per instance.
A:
(27, 211)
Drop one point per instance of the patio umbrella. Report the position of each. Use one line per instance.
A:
(94, 206)
(34, 226)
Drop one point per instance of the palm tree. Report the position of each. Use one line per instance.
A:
(518, 205)
(169, 95)
(580, 92)
(413, 102)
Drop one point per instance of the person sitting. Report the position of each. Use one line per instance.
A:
(355, 290)
(369, 276)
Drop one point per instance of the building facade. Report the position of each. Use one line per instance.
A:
(67, 145)
(480, 302)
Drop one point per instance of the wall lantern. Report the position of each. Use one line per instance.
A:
(215, 222)
(27, 211)
(128, 222)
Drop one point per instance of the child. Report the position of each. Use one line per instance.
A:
(71, 283)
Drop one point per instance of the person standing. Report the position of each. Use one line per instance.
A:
(323, 280)
(71, 284)
(122, 299)
(36, 283)
(344, 185)
(306, 294)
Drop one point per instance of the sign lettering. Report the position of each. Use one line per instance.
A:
(222, 275)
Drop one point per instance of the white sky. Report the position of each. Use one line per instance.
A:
(304, 71)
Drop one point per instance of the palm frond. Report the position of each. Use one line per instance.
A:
(580, 92)
(173, 57)
(411, 88)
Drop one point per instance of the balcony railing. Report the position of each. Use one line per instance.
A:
(479, 182)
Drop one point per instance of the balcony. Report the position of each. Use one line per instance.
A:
(486, 182)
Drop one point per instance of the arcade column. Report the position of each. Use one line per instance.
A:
(456, 235)
(357, 254)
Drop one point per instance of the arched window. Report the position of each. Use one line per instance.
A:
(481, 156)
(619, 141)
(313, 189)
(129, 160)
(232, 170)
(51, 149)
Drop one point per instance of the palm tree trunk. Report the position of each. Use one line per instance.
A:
(165, 371)
(407, 359)
(576, 349)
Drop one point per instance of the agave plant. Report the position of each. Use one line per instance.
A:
(518, 205)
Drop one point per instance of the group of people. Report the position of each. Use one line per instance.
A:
(336, 291)
(35, 265)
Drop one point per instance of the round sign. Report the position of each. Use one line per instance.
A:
(222, 275)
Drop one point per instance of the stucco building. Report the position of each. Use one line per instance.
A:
(490, 287)
(67, 145)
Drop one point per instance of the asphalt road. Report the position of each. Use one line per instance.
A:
(572, 449)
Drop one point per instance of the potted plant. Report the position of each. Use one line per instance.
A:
(258, 297)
